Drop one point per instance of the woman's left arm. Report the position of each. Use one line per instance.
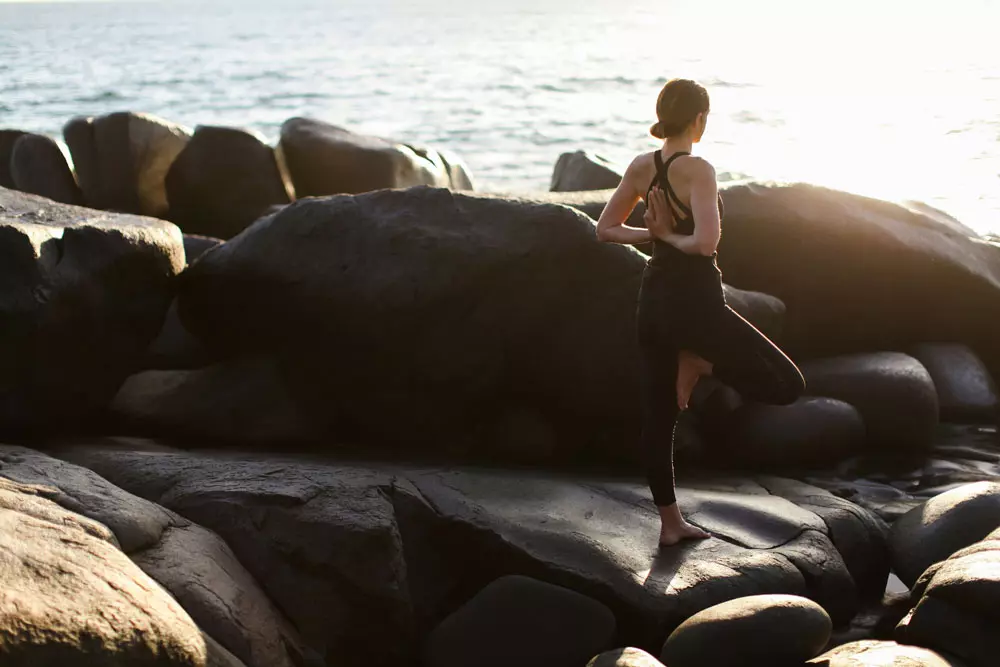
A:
(611, 227)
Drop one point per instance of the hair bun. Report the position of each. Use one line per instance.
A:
(656, 129)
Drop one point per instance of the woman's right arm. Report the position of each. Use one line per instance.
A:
(611, 227)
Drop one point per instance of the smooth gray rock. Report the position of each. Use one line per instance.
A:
(582, 171)
(7, 140)
(966, 390)
(750, 631)
(934, 531)
(517, 620)
(82, 294)
(861, 274)
(893, 392)
(624, 657)
(38, 167)
(876, 653)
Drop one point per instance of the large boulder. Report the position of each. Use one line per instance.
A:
(82, 293)
(875, 653)
(810, 433)
(122, 159)
(966, 390)
(7, 140)
(957, 605)
(324, 159)
(750, 631)
(860, 274)
(893, 392)
(934, 531)
(517, 620)
(223, 180)
(71, 597)
(582, 171)
(352, 552)
(38, 166)
(192, 563)
(624, 657)
(448, 312)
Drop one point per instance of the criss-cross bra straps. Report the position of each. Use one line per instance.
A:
(662, 170)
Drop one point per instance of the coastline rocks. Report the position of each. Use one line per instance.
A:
(966, 391)
(7, 140)
(934, 531)
(122, 159)
(223, 180)
(581, 171)
(192, 563)
(66, 586)
(749, 632)
(625, 657)
(38, 167)
(957, 607)
(517, 620)
(84, 294)
(323, 159)
(875, 653)
(860, 274)
(414, 543)
(893, 392)
(810, 433)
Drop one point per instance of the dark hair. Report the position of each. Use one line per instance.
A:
(679, 103)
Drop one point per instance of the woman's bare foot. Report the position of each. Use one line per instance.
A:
(690, 367)
(675, 529)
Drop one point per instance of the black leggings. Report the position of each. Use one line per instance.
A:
(743, 358)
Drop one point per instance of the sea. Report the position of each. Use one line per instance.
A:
(895, 99)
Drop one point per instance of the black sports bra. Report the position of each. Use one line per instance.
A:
(683, 217)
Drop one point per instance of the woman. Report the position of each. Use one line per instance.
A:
(685, 328)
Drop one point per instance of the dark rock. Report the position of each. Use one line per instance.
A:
(195, 246)
(582, 170)
(625, 657)
(456, 310)
(749, 632)
(810, 433)
(223, 180)
(351, 551)
(70, 597)
(7, 140)
(860, 274)
(192, 563)
(966, 391)
(893, 392)
(592, 203)
(122, 159)
(38, 167)
(873, 653)
(83, 294)
(520, 621)
(324, 159)
(239, 402)
(934, 531)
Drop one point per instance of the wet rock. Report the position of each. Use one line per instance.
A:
(493, 295)
(84, 294)
(966, 391)
(582, 171)
(893, 392)
(192, 563)
(625, 657)
(67, 586)
(122, 159)
(958, 599)
(750, 631)
(874, 653)
(810, 433)
(860, 274)
(223, 180)
(239, 402)
(38, 167)
(324, 159)
(7, 140)
(932, 532)
(517, 620)
(416, 542)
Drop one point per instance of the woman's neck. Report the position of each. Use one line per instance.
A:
(676, 144)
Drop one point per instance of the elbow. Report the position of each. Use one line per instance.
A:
(707, 248)
(603, 234)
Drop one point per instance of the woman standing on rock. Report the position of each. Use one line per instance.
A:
(685, 328)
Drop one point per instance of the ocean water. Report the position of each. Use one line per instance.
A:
(893, 99)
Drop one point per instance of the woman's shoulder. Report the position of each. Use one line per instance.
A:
(696, 167)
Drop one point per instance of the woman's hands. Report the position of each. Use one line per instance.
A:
(658, 217)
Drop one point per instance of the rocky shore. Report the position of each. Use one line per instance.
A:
(324, 404)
